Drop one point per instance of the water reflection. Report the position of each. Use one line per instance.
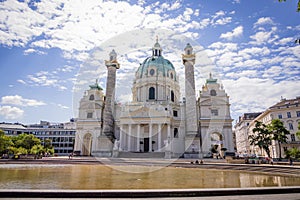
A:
(104, 177)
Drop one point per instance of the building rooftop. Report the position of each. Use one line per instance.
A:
(285, 103)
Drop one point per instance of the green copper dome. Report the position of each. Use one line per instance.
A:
(156, 65)
(159, 63)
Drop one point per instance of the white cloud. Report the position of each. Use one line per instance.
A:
(238, 31)
(262, 21)
(251, 89)
(29, 51)
(223, 21)
(262, 37)
(10, 112)
(62, 106)
(20, 101)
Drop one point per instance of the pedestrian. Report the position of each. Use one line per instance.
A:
(271, 160)
(291, 161)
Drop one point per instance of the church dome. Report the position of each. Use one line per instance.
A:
(156, 65)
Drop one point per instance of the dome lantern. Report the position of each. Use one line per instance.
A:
(156, 50)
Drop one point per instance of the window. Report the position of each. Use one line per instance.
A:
(172, 96)
(89, 115)
(152, 93)
(152, 72)
(175, 132)
(291, 126)
(214, 112)
(280, 116)
(213, 93)
(92, 97)
(293, 139)
(175, 113)
(298, 113)
(288, 114)
(171, 75)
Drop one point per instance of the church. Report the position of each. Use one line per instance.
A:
(157, 122)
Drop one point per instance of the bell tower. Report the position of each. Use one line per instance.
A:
(192, 142)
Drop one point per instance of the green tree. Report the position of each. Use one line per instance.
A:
(262, 137)
(293, 153)
(298, 132)
(5, 142)
(279, 133)
(298, 7)
(37, 149)
(48, 146)
(26, 141)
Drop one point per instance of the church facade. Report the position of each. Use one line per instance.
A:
(156, 123)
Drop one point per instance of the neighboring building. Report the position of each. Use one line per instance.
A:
(288, 111)
(156, 122)
(61, 134)
(241, 132)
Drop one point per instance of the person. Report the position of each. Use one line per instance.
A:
(291, 161)
(271, 160)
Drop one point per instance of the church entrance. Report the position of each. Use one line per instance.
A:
(146, 144)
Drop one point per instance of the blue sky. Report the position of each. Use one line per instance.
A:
(52, 50)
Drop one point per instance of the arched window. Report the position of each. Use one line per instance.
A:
(92, 97)
(188, 52)
(152, 93)
(175, 132)
(172, 96)
(213, 93)
(171, 75)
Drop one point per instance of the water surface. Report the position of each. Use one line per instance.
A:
(103, 177)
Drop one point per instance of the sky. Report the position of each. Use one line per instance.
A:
(52, 50)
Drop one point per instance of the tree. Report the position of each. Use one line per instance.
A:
(27, 141)
(298, 7)
(293, 153)
(279, 133)
(262, 137)
(48, 146)
(5, 142)
(298, 132)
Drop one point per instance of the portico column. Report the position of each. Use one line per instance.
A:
(169, 130)
(129, 138)
(159, 137)
(169, 136)
(138, 138)
(121, 136)
(150, 137)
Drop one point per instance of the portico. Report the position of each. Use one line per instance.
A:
(144, 137)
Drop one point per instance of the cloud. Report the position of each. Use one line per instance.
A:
(49, 78)
(238, 31)
(29, 51)
(20, 101)
(10, 112)
(251, 89)
(62, 106)
(263, 37)
(262, 21)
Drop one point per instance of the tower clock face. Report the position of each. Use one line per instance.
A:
(152, 72)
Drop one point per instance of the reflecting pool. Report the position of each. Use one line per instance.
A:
(35, 176)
